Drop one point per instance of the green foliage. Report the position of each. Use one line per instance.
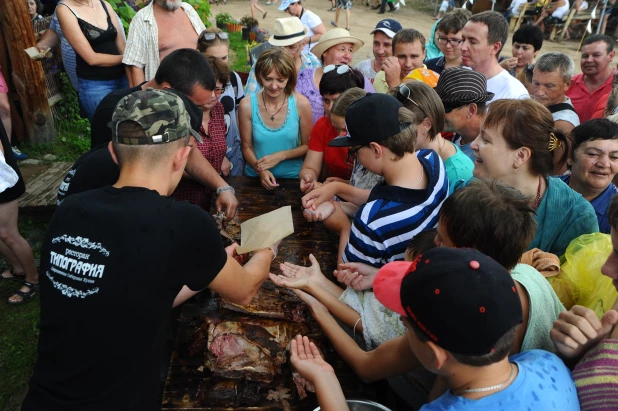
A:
(238, 49)
(203, 10)
(124, 11)
(224, 18)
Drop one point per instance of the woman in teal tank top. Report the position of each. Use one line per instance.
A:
(275, 123)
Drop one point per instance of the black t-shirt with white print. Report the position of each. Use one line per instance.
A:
(112, 262)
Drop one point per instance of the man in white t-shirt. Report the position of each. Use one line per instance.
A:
(484, 35)
(311, 21)
(382, 47)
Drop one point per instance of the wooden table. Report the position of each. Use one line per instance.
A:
(309, 238)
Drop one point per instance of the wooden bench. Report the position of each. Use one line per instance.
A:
(42, 191)
(582, 16)
(515, 21)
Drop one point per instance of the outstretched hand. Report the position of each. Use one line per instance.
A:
(320, 195)
(296, 276)
(307, 360)
(321, 213)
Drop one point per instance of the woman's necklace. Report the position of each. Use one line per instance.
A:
(537, 200)
(493, 387)
(272, 116)
(91, 5)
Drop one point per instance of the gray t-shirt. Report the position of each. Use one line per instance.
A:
(366, 68)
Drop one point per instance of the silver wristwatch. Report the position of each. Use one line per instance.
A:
(225, 188)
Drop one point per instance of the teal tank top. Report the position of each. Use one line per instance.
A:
(268, 140)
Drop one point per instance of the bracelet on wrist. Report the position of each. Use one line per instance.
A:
(225, 188)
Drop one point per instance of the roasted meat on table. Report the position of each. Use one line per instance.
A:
(272, 301)
(244, 347)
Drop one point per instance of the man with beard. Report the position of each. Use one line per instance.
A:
(591, 88)
(156, 30)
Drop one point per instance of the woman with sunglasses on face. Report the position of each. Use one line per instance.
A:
(213, 146)
(594, 163)
(321, 159)
(215, 43)
(336, 47)
(516, 146)
(275, 123)
(289, 34)
(428, 111)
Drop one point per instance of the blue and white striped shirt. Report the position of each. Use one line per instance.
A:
(392, 216)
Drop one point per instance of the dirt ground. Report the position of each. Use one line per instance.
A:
(363, 20)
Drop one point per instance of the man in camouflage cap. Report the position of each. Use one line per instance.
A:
(161, 115)
(115, 260)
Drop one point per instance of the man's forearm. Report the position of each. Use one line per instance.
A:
(137, 76)
(200, 170)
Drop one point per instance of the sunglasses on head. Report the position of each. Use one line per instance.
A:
(403, 95)
(344, 68)
(211, 36)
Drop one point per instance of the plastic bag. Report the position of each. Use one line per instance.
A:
(580, 281)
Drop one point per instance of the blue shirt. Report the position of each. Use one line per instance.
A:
(600, 204)
(543, 383)
(392, 216)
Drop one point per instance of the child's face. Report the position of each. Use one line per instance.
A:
(442, 239)
(420, 349)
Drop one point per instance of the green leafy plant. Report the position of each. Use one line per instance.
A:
(203, 10)
(249, 22)
(124, 11)
(224, 18)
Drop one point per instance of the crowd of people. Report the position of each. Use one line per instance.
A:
(439, 173)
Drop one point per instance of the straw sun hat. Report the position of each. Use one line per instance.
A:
(288, 30)
(332, 38)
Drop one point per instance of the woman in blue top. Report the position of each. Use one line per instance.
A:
(516, 146)
(424, 102)
(594, 163)
(275, 123)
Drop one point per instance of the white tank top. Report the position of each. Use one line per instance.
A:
(561, 11)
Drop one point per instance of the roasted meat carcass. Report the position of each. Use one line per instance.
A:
(244, 347)
(272, 301)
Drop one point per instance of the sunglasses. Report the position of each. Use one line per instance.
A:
(212, 36)
(403, 95)
(344, 68)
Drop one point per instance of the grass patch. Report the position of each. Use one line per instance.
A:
(19, 333)
(238, 53)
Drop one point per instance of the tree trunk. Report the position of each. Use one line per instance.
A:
(28, 77)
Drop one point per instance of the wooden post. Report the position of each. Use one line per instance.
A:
(28, 77)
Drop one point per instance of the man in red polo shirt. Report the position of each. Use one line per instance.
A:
(591, 88)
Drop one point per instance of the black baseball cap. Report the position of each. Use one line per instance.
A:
(459, 298)
(371, 118)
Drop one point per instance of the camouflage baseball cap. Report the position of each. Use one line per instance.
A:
(161, 114)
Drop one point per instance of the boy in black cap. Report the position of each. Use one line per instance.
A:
(461, 310)
(382, 136)
(114, 261)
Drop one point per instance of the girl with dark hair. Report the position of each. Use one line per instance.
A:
(323, 161)
(594, 163)
(516, 146)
